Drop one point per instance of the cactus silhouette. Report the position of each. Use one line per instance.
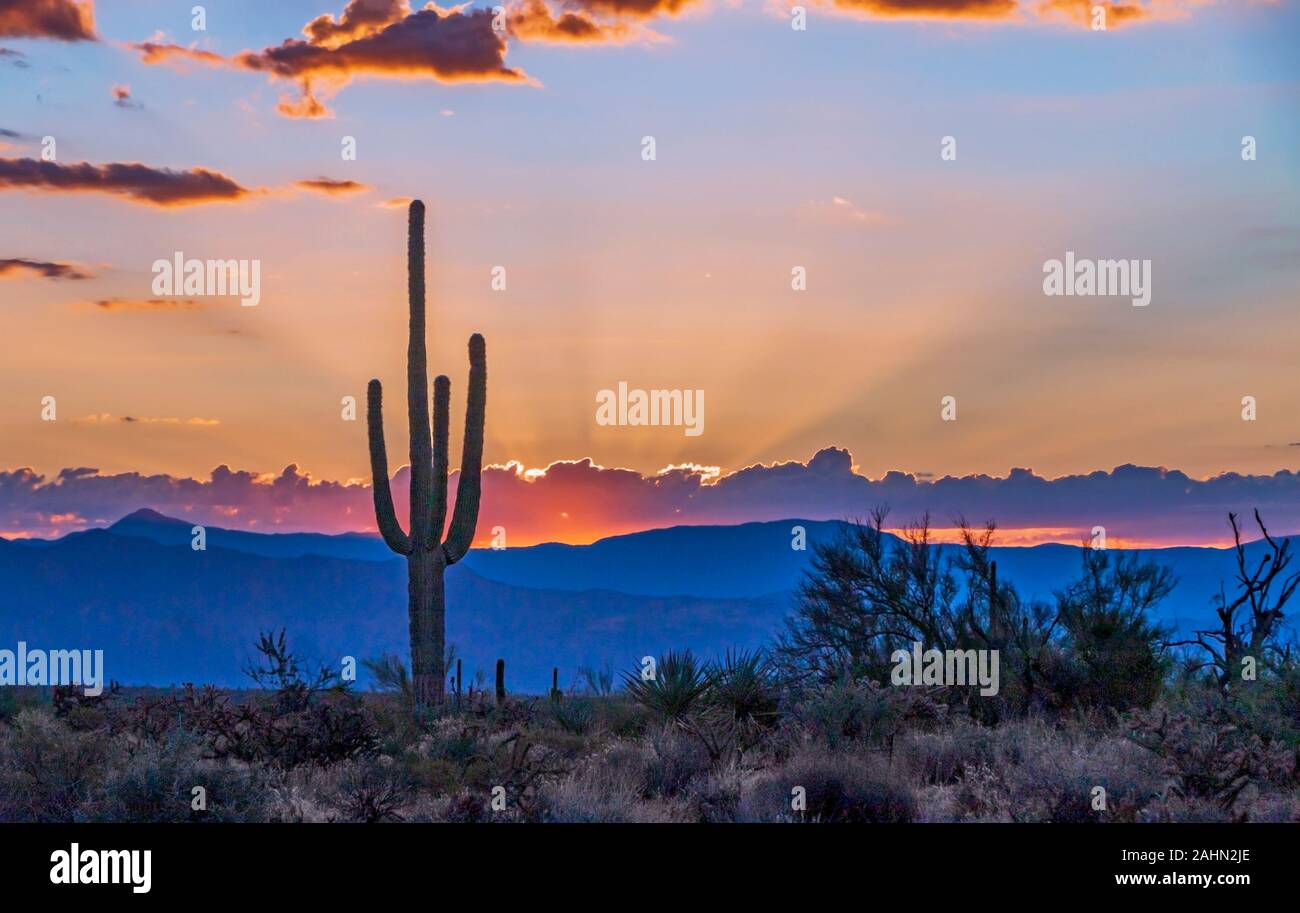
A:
(427, 553)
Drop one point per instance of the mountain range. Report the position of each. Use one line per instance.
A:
(166, 614)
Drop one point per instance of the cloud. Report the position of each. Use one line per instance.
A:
(395, 203)
(358, 19)
(577, 501)
(532, 20)
(155, 53)
(331, 186)
(840, 212)
(1080, 11)
(434, 44)
(13, 268)
(136, 182)
(635, 9)
(307, 106)
(147, 304)
(65, 20)
(17, 58)
(107, 418)
(376, 39)
(931, 9)
(122, 97)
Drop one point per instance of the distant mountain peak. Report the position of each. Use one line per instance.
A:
(146, 515)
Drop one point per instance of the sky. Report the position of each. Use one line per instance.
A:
(774, 149)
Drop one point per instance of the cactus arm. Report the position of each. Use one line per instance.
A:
(441, 419)
(468, 487)
(417, 386)
(386, 516)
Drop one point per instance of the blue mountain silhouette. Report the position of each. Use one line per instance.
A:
(165, 613)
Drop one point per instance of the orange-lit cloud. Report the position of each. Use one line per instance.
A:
(65, 20)
(635, 9)
(14, 267)
(155, 53)
(532, 20)
(376, 39)
(447, 46)
(307, 106)
(1080, 11)
(332, 187)
(358, 19)
(122, 96)
(931, 9)
(130, 180)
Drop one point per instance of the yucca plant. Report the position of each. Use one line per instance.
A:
(679, 686)
(742, 684)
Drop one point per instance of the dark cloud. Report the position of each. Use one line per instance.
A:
(13, 267)
(532, 20)
(65, 20)
(378, 39)
(331, 186)
(358, 19)
(635, 9)
(432, 44)
(932, 9)
(134, 181)
(576, 501)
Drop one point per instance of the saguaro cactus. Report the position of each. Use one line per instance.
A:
(427, 553)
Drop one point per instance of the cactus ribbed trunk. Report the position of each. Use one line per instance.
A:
(427, 609)
(428, 553)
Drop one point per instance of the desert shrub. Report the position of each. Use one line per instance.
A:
(610, 787)
(517, 762)
(944, 756)
(14, 699)
(597, 681)
(845, 711)
(576, 715)
(839, 787)
(49, 771)
(368, 791)
(674, 759)
(1211, 752)
(715, 796)
(1050, 774)
(155, 782)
